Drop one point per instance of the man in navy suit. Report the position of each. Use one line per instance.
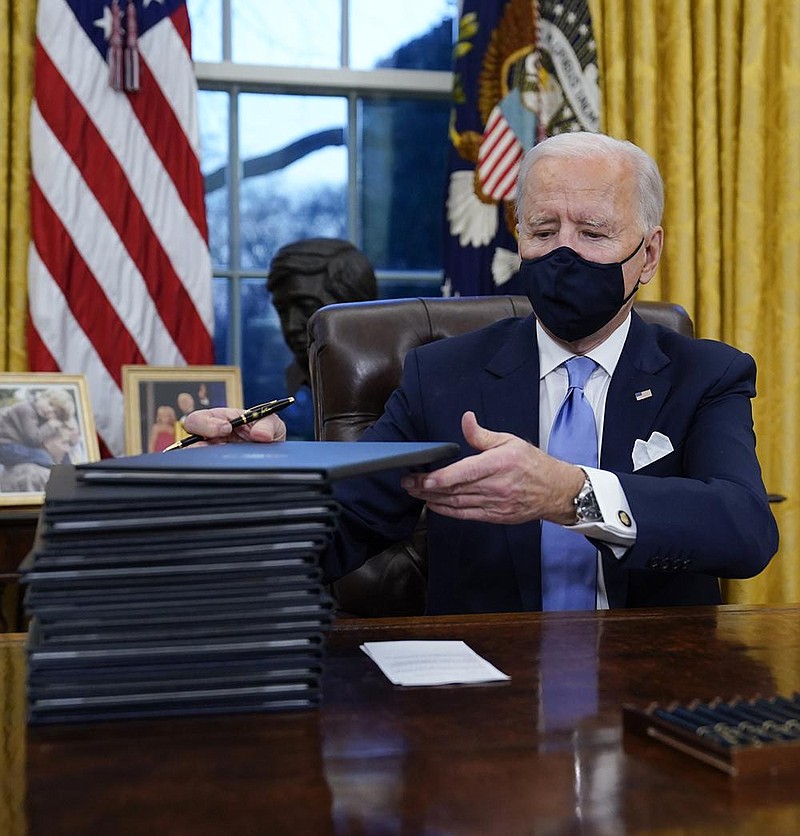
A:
(676, 500)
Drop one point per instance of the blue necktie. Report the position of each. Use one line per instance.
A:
(569, 560)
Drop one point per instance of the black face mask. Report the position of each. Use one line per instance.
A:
(573, 297)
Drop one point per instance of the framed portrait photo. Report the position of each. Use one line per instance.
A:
(45, 419)
(157, 398)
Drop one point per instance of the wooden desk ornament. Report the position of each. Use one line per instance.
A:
(742, 737)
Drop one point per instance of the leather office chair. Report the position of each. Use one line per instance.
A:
(356, 352)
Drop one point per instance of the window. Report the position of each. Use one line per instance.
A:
(326, 118)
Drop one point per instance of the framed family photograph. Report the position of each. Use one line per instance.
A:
(157, 398)
(45, 419)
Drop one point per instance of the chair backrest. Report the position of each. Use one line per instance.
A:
(356, 349)
(356, 352)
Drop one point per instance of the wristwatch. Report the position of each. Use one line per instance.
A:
(586, 507)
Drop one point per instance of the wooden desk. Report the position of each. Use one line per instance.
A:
(543, 753)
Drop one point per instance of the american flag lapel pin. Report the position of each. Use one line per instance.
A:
(644, 394)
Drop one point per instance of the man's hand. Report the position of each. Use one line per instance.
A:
(214, 425)
(509, 481)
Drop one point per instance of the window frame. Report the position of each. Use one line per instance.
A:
(235, 78)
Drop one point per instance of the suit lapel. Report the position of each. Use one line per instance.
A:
(510, 397)
(636, 394)
(507, 394)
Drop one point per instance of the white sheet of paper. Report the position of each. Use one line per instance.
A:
(431, 663)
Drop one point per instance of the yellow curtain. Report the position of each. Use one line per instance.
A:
(12, 734)
(16, 90)
(711, 88)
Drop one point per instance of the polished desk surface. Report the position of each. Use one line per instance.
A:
(543, 753)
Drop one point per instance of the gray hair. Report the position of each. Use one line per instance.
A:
(650, 186)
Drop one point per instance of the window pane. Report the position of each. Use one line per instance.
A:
(213, 116)
(404, 169)
(411, 35)
(221, 291)
(306, 34)
(294, 169)
(205, 17)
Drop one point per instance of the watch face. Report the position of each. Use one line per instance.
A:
(587, 509)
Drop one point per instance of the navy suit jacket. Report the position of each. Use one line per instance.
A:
(701, 512)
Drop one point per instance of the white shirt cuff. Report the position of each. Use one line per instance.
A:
(618, 528)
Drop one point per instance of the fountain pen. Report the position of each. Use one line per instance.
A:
(247, 417)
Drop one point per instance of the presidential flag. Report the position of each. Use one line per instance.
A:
(522, 71)
(119, 268)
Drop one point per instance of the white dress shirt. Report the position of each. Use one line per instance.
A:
(553, 384)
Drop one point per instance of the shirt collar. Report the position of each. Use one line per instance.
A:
(552, 355)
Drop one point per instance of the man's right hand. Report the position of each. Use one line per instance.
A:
(214, 425)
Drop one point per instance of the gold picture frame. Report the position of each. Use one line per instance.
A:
(45, 419)
(150, 392)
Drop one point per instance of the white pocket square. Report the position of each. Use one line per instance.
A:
(647, 452)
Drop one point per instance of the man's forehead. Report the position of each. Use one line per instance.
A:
(593, 193)
(576, 186)
(587, 174)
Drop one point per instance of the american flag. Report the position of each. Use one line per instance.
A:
(119, 269)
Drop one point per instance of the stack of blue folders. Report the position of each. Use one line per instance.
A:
(188, 582)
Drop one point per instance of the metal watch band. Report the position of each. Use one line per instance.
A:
(586, 507)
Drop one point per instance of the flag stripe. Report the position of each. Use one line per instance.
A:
(504, 178)
(167, 138)
(119, 267)
(86, 74)
(176, 78)
(92, 310)
(108, 184)
(498, 158)
(502, 142)
(498, 167)
(180, 20)
(493, 138)
(99, 245)
(76, 350)
(38, 353)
